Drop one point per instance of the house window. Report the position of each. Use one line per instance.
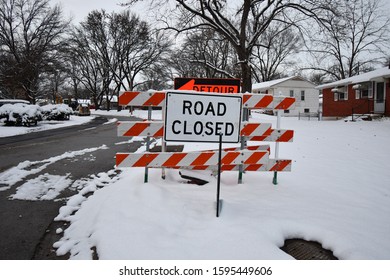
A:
(291, 93)
(287, 111)
(365, 90)
(340, 93)
(306, 110)
(302, 95)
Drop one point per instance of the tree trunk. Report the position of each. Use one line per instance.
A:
(246, 77)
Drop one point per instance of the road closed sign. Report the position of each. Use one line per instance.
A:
(193, 117)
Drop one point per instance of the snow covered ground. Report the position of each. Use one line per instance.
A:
(338, 194)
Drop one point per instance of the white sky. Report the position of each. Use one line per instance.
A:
(79, 9)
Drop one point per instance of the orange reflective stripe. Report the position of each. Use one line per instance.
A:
(265, 101)
(249, 128)
(228, 167)
(120, 158)
(286, 103)
(174, 159)
(286, 137)
(159, 133)
(255, 157)
(280, 165)
(253, 167)
(228, 158)
(145, 160)
(155, 99)
(258, 138)
(202, 159)
(136, 129)
(126, 97)
(245, 98)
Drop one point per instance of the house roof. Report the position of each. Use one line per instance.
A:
(365, 77)
(273, 83)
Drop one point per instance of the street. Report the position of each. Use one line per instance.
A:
(27, 227)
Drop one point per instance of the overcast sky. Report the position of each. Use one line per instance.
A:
(79, 9)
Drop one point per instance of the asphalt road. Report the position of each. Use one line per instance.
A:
(27, 229)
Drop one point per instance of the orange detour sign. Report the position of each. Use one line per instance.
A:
(208, 85)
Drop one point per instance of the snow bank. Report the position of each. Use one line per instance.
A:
(337, 194)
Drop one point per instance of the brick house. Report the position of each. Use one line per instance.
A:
(363, 94)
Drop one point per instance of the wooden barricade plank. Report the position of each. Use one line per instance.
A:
(143, 98)
(279, 165)
(249, 100)
(276, 135)
(254, 131)
(176, 160)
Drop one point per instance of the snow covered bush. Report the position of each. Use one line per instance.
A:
(58, 112)
(20, 114)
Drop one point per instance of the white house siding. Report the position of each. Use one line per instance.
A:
(311, 99)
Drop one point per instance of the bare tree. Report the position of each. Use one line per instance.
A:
(30, 37)
(351, 40)
(241, 23)
(205, 54)
(88, 47)
(112, 51)
(278, 43)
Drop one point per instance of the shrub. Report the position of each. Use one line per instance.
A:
(20, 114)
(58, 112)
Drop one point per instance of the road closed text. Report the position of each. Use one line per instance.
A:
(202, 118)
(199, 108)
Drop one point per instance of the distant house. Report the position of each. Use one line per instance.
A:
(306, 96)
(109, 101)
(367, 93)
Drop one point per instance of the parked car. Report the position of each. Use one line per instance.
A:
(13, 101)
(83, 110)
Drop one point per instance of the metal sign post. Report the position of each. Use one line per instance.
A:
(148, 145)
(219, 173)
(245, 117)
(278, 118)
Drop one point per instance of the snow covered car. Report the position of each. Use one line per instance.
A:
(57, 112)
(13, 101)
(20, 114)
(83, 110)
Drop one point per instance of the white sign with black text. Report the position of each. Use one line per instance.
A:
(198, 117)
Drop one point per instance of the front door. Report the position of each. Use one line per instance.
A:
(379, 103)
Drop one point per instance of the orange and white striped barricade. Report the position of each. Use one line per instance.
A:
(249, 131)
(156, 129)
(146, 128)
(182, 159)
(283, 103)
(251, 148)
(142, 98)
(257, 101)
(249, 100)
(255, 129)
(275, 135)
(279, 165)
